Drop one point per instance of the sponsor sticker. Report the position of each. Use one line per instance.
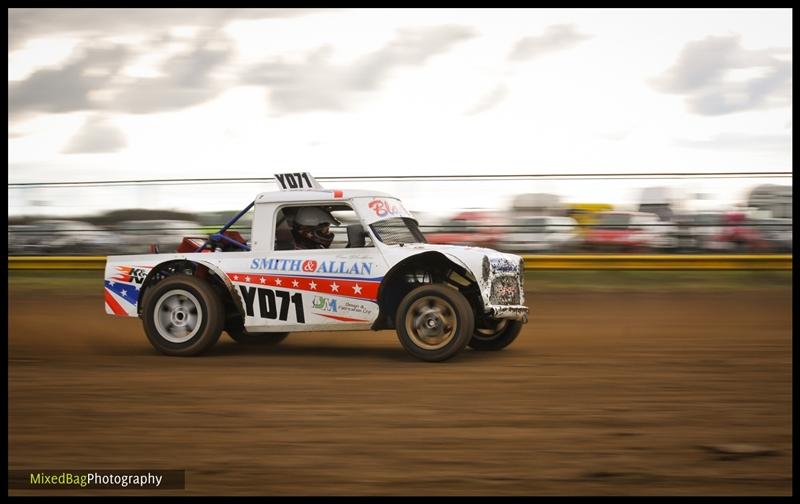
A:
(335, 267)
(384, 208)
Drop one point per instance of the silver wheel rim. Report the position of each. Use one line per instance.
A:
(178, 316)
(431, 323)
(491, 332)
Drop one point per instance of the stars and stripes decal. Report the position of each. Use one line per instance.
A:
(366, 289)
(121, 298)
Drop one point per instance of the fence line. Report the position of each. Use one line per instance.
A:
(532, 262)
(413, 178)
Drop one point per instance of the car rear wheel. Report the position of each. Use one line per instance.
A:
(182, 315)
(495, 335)
(434, 322)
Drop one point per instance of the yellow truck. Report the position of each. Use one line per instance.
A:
(586, 214)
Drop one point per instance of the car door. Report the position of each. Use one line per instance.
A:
(292, 289)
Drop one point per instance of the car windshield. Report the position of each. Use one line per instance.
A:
(708, 220)
(535, 225)
(613, 221)
(397, 230)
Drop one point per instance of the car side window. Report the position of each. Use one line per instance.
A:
(287, 226)
(283, 232)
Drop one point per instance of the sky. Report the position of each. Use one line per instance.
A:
(120, 94)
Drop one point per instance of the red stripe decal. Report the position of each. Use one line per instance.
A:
(354, 288)
(343, 319)
(115, 307)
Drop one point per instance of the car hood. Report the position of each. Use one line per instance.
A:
(470, 257)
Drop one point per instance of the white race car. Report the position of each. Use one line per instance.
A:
(321, 260)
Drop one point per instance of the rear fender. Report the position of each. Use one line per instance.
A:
(125, 286)
(200, 269)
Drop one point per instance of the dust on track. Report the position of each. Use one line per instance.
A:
(602, 394)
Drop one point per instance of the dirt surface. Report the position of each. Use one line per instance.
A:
(602, 394)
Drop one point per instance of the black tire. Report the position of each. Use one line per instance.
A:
(450, 317)
(240, 335)
(182, 315)
(495, 337)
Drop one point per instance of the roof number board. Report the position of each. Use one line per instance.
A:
(296, 181)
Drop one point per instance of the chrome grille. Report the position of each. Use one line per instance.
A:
(505, 291)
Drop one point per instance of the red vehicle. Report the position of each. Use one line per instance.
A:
(630, 231)
(740, 232)
(475, 228)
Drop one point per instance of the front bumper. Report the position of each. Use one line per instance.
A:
(513, 312)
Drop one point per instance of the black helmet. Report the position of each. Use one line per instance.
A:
(311, 228)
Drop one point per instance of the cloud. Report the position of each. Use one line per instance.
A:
(555, 38)
(318, 84)
(94, 73)
(309, 85)
(409, 47)
(740, 141)
(703, 74)
(490, 100)
(66, 89)
(97, 135)
(92, 79)
(27, 24)
(188, 79)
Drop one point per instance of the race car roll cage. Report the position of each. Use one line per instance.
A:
(220, 236)
(354, 233)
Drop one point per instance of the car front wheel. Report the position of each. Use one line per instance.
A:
(434, 322)
(495, 335)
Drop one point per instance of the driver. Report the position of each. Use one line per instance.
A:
(311, 228)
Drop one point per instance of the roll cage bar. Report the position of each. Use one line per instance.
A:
(220, 235)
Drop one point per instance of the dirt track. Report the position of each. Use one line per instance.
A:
(602, 394)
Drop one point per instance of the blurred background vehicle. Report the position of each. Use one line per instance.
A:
(138, 235)
(585, 214)
(22, 240)
(478, 228)
(700, 231)
(733, 231)
(631, 231)
(774, 198)
(657, 200)
(429, 222)
(55, 236)
(760, 221)
(542, 233)
(742, 232)
(776, 233)
(537, 204)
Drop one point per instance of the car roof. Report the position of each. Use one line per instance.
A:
(317, 195)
